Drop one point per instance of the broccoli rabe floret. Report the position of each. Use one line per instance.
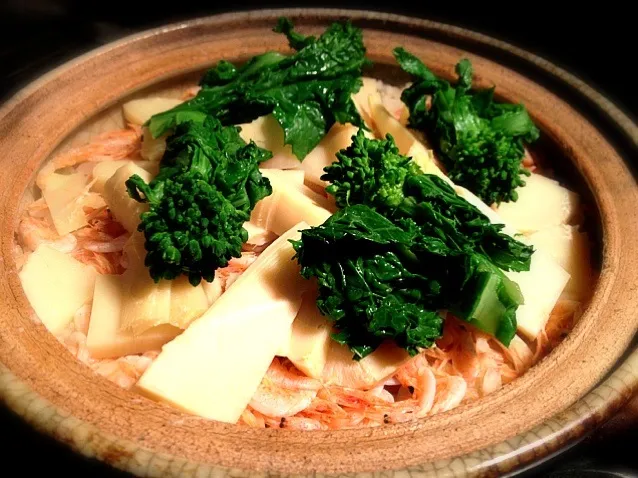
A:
(480, 141)
(403, 247)
(208, 184)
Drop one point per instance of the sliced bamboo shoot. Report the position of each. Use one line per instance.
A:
(215, 366)
(57, 285)
(425, 159)
(541, 203)
(285, 207)
(387, 124)
(324, 154)
(541, 286)
(105, 339)
(341, 370)
(125, 209)
(213, 290)
(290, 176)
(146, 303)
(187, 302)
(570, 248)
(152, 148)
(66, 195)
(285, 178)
(360, 99)
(310, 338)
(104, 170)
(257, 235)
(140, 111)
(266, 132)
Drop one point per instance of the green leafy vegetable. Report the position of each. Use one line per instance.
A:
(403, 247)
(207, 185)
(306, 92)
(370, 281)
(480, 141)
(374, 173)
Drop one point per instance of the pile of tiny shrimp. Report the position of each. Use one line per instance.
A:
(464, 365)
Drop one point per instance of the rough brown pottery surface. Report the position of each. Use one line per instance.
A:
(581, 383)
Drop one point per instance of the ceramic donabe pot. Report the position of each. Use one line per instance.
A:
(580, 384)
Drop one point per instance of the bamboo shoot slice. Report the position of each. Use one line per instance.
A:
(187, 302)
(310, 338)
(105, 339)
(125, 209)
(387, 124)
(140, 111)
(146, 303)
(57, 285)
(214, 368)
(342, 370)
(285, 207)
(65, 196)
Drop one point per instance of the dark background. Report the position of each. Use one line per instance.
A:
(596, 41)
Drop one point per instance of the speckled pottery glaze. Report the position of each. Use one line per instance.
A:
(588, 377)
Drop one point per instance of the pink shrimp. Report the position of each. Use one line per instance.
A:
(325, 411)
(125, 371)
(257, 243)
(120, 372)
(491, 381)
(103, 221)
(561, 320)
(104, 263)
(360, 405)
(541, 344)
(38, 208)
(351, 397)
(381, 392)
(347, 407)
(450, 392)
(331, 415)
(283, 393)
(470, 352)
(235, 268)
(109, 245)
(112, 145)
(274, 401)
(101, 243)
(252, 419)
(519, 355)
(301, 423)
(418, 376)
(72, 340)
(293, 423)
(281, 375)
(33, 231)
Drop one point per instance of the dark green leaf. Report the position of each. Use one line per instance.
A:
(481, 142)
(403, 247)
(306, 92)
(208, 184)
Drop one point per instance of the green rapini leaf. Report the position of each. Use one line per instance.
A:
(403, 247)
(480, 142)
(307, 92)
(208, 184)
(370, 285)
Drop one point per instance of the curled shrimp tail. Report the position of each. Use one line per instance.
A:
(279, 374)
(112, 145)
(282, 393)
